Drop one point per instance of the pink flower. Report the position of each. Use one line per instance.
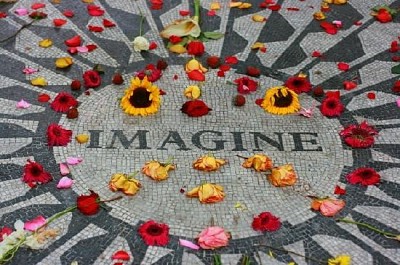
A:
(213, 237)
(35, 223)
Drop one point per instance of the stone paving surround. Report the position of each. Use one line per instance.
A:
(290, 38)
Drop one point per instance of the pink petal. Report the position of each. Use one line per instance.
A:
(21, 11)
(120, 254)
(22, 104)
(29, 70)
(34, 224)
(64, 169)
(398, 102)
(82, 49)
(188, 244)
(74, 160)
(65, 183)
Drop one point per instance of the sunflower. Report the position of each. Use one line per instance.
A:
(280, 100)
(141, 98)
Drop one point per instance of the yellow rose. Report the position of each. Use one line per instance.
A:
(208, 163)
(207, 193)
(157, 170)
(122, 182)
(193, 64)
(283, 176)
(192, 92)
(259, 162)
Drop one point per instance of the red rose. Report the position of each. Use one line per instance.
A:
(213, 62)
(383, 16)
(88, 204)
(91, 79)
(246, 85)
(175, 39)
(195, 48)
(195, 108)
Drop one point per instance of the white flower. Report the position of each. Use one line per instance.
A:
(141, 44)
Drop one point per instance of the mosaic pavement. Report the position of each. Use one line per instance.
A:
(119, 143)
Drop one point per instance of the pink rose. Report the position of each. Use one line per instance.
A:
(213, 237)
(331, 207)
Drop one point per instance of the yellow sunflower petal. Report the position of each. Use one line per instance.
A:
(45, 43)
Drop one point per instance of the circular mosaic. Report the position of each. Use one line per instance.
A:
(123, 143)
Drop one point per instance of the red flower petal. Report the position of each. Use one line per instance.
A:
(211, 13)
(153, 45)
(316, 54)
(263, 49)
(162, 92)
(121, 254)
(293, 9)
(343, 66)
(196, 75)
(231, 60)
(91, 47)
(175, 77)
(184, 12)
(259, 101)
(68, 13)
(221, 73)
(333, 94)
(394, 46)
(36, 6)
(339, 190)
(95, 11)
(72, 50)
(43, 98)
(328, 27)
(108, 24)
(195, 108)
(74, 41)
(58, 22)
(357, 23)
(95, 28)
(3, 15)
(274, 7)
(395, 58)
(371, 95)
(225, 67)
(349, 85)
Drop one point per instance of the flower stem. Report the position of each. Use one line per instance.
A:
(141, 22)
(113, 199)
(197, 11)
(9, 255)
(56, 216)
(294, 253)
(373, 228)
(242, 157)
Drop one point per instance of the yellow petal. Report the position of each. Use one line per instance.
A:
(235, 4)
(192, 92)
(82, 138)
(258, 45)
(39, 81)
(244, 6)
(215, 6)
(194, 192)
(88, 1)
(177, 48)
(258, 18)
(64, 62)
(45, 43)
(319, 15)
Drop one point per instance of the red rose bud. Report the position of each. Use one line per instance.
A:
(371, 95)
(253, 71)
(318, 91)
(213, 62)
(239, 100)
(383, 16)
(88, 204)
(117, 79)
(396, 87)
(162, 65)
(72, 113)
(76, 85)
(195, 48)
(91, 79)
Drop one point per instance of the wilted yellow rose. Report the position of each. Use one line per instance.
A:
(122, 182)
(283, 176)
(82, 138)
(39, 81)
(192, 92)
(258, 18)
(257, 45)
(64, 62)
(244, 6)
(181, 28)
(193, 64)
(207, 193)
(259, 162)
(177, 48)
(235, 4)
(45, 43)
(156, 170)
(336, 2)
(319, 15)
(208, 163)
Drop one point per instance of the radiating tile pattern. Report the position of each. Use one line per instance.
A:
(119, 143)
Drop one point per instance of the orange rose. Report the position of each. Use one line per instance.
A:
(283, 176)
(156, 170)
(259, 162)
(122, 182)
(208, 163)
(328, 206)
(207, 193)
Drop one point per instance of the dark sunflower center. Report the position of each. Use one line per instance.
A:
(140, 98)
(154, 230)
(283, 101)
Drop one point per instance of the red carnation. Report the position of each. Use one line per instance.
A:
(58, 136)
(364, 176)
(91, 79)
(35, 173)
(63, 102)
(253, 71)
(195, 108)
(298, 84)
(246, 85)
(152, 73)
(195, 48)
(154, 234)
(266, 221)
(331, 107)
(359, 136)
(383, 16)
(88, 204)
(213, 62)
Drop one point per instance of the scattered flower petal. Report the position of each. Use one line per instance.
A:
(64, 169)
(22, 104)
(45, 43)
(21, 11)
(121, 255)
(39, 81)
(65, 183)
(74, 160)
(35, 223)
(188, 244)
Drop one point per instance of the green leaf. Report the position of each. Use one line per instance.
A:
(213, 35)
(396, 69)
